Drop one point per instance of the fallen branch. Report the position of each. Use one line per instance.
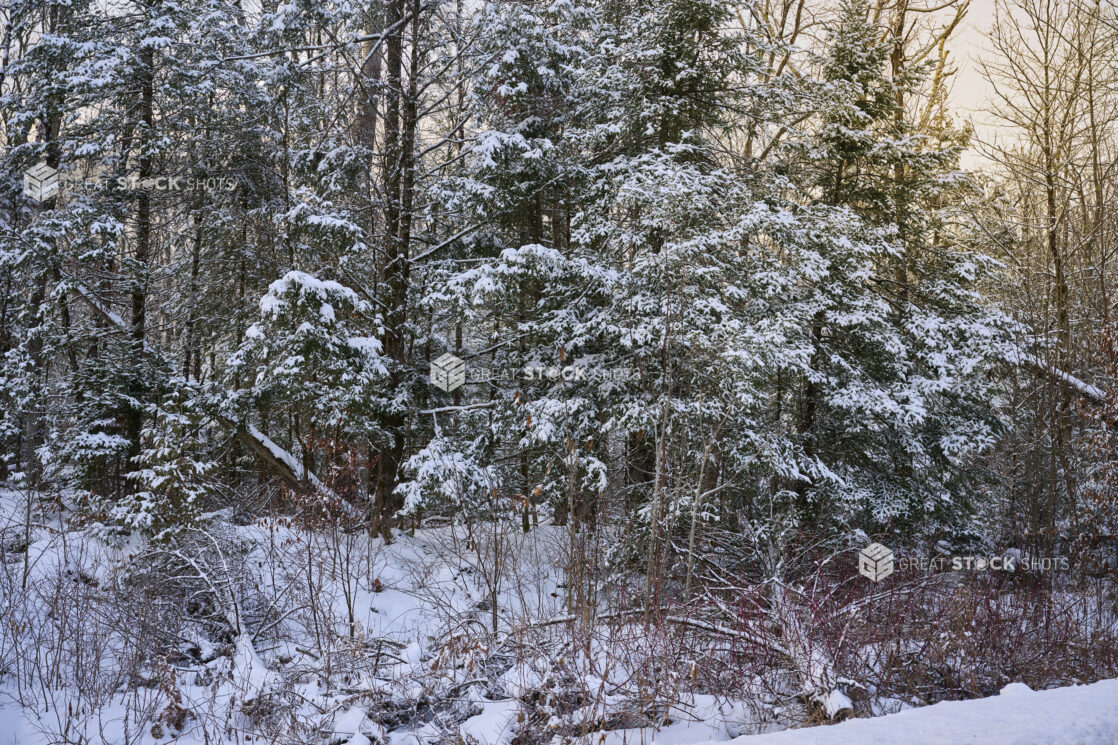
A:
(714, 628)
(106, 313)
(283, 463)
(1085, 390)
(809, 661)
(717, 628)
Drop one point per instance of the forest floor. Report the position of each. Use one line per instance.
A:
(274, 632)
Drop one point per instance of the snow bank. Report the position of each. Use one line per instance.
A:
(495, 725)
(1079, 715)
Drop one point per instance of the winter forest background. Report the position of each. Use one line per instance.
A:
(729, 311)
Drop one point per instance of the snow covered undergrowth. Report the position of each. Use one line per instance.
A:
(298, 632)
(270, 630)
(1076, 715)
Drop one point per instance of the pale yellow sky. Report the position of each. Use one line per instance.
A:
(970, 93)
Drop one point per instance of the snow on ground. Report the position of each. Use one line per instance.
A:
(425, 589)
(699, 719)
(420, 589)
(1078, 715)
(495, 725)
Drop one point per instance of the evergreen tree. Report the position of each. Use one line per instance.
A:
(894, 403)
